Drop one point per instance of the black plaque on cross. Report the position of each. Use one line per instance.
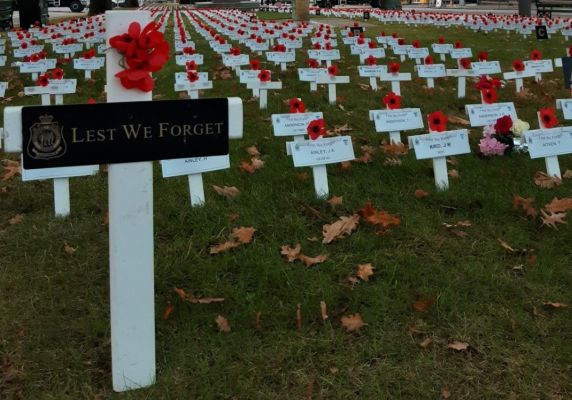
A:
(111, 133)
(541, 32)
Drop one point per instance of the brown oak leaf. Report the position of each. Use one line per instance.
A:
(364, 271)
(458, 346)
(11, 169)
(291, 253)
(336, 201)
(229, 192)
(420, 193)
(222, 247)
(342, 227)
(222, 324)
(353, 322)
(309, 261)
(559, 205)
(552, 219)
(189, 297)
(16, 219)
(526, 204)
(545, 181)
(243, 234)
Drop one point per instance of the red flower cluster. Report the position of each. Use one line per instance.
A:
(188, 50)
(441, 40)
(316, 128)
(333, 70)
(437, 121)
(191, 65)
(465, 63)
(392, 101)
(489, 95)
(144, 50)
(279, 48)
(254, 65)
(313, 63)
(57, 73)
(458, 44)
(483, 56)
(43, 80)
(264, 76)
(297, 105)
(370, 60)
(503, 125)
(416, 44)
(535, 55)
(235, 51)
(428, 60)
(488, 83)
(393, 67)
(89, 54)
(548, 118)
(192, 76)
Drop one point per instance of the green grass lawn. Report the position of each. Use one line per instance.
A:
(54, 318)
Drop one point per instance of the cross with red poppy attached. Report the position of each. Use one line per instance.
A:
(331, 78)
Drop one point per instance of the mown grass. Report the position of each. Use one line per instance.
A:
(54, 325)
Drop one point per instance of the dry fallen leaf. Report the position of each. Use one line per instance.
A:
(291, 253)
(229, 192)
(425, 342)
(545, 181)
(252, 151)
(559, 205)
(69, 250)
(11, 169)
(168, 311)
(323, 311)
(420, 193)
(364, 271)
(222, 323)
(395, 149)
(507, 246)
(188, 297)
(309, 261)
(222, 247)
(567, 174)
(392, 161)
(445, 393)
(345, 165)
(233, 216)
(458, 120)
(453, 173)
(552, 219)
(105, 219)
(298, 318)
(243, 234)
(551, 304)
(16, 219)
(378, 217)
(342, 227)
(423, 305)
(526, 204)
(303, 176)
(353, 322)
(459, 346)
(336, 201)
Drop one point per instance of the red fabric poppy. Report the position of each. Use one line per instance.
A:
(489, 96)
(57, 73)
(503, 125)
(360, 40)
(43, 80)
(192, 76)
(441, 40)
(570, 51)
(24, 45)
(437, 121)
(536, 55)
(328, 46)
(372, 45)
(393, 67)
(317, 46)
(89, 54)
(458, 44)
(235, 51)
(370, 60)
(188, 50)
(35, 57)
(487, 83)
(316, 128)
(416, 44)
(517, 65)
(483, 56)
(333, 70)
(392, 101)
(254, 65)
(428, 60)
(465, 63)
(191, 65)
(136, 79)
(280, 48)
(313, 63)
(297, 106)
(548, 118)
(401, 41)
(264, 75)
(90, 101)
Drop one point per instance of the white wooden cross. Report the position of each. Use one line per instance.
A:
(518, 77)
(88, 65)
(372, 72)
(310, 75)
(395, 121)
(430, 72)
(263, 88)
(331, 81)
(539, 67)
(462, 74)
(131, 250)
(395, 79)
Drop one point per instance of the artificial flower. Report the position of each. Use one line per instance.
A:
(489, 96)
(57, 73)
(191, 65)
(437, 121)
(428, 60)
(490, 146)
(43, 80)
(535, 55)
(316, 128)
(333, 70)
(486, 82)
(192, 76)
(416, 44)
(254, 64)
(313, 63)
(188, 50)
(483, 56)
(392, 101)
(465, 63)
(264, 75)
(370, 60)
(89, 54)
(297, 105)
(517, 65)
(503, 125)
(519, 127)
(458, 44)
(393, 67)
(235, 51)
(441, 40)
(548, 118)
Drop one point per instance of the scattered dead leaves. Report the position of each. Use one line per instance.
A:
(459, 346)
(239, 236)
(423, 305)
(11, 169)
(295, 253)
(552, 219)
(190, 298)
(69, 250)
(526, 204)
(168, 311)
(420, 194)
(394, 149)
(364, 271)
(545, 181)
(551, 304)
(339, 229)
(353, 322)
(230, 192)
(559, 205)
(339, 130)
(16, 219)
(453, 173)
(335, 201)
(323, 311)
(222, 324)
(458, 120)
(380, 218)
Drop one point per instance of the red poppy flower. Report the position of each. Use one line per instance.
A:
(570, 51)
(57, 73)
(489, 96)
(328, 46)
(333, 70)
(188, 50)
(317, 46)
(43, 80)
(35, 57)
(91, 101)
(535, 55)
(401, 41)
(279, 48)
(458, 44)
(136, 79)
(235, 51)
(393, 67)
(441, 40)
(437, 121)
(316, 128)
(548, 118)
(416, 44)
(360, 40)
(503, 125)
(517, 65)
(254, 65)
(192, 76)
(297, 106)
(392, 101)
(370, 60)
(24, 45)
(465, 63)
(264, 75)
(372, 45)
(394, 35)
(191, 65)
(428, 60)
(313, 63)
(483, 56)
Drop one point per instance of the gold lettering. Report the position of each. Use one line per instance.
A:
(130, 131)
(219, 129)
(198, 129)
(209, 127)
(101, 135)
(111, 133)
(175, 130)
(163, 129)
(147, 132)
(90, 135)
(74, 136)
(187, 130)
